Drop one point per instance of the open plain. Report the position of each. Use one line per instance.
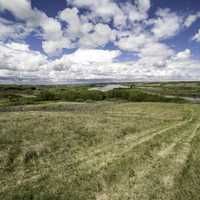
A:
(100, 150)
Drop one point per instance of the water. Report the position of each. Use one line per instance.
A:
(108, 87)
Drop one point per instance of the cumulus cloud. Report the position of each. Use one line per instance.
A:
(156, 50)
(184, 55)
(13, 30)
(85, 64)
(197, 36)
(133, 42)
(143, 5)
(100, 36)
(70, 15)
(191, 19)
(155, 55)
(106, 9)
(88, 35)
(54, 47)
(17, 56)
(87, 56)
(18, 46)
(20, 61)
(20, 9)
(166, 25)
(88, 26)
(138, 11)
(51, 28)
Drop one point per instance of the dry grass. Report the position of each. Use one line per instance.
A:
(100, 151)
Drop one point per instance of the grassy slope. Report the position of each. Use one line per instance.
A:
(100, 151)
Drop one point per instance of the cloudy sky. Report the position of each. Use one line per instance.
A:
(62, 41)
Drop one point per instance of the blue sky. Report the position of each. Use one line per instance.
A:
(61, 41)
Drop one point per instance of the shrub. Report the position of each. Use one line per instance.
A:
(46, 95)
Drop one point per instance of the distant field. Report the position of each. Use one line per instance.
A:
(100, 151)
(182, 89)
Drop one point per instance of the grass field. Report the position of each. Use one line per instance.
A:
(101, 151)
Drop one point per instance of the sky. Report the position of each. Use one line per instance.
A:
(72, 41)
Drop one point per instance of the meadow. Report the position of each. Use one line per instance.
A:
(127, 145)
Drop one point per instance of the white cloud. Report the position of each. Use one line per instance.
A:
(18, 46)
(184, 67)
(197, 36)
(155, 55)
(85, 3)
(133, 42)
(53, 47)
(20, 8)
(87, 64)
(51, 28)
(105, 9)
(137, 12)
(184, 55)
(87, 56)
(127, 25)
(17, 56)
(21, 63)
(100, 36)
(12, 30)
(143, 5)
(156, 49)
(70, 15)
(133, 13)
(84, 64)
(166, 25)
(191, 19)
(150, 66)
(6, 30)
(87, 27)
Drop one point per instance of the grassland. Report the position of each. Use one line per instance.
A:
(12, 95)
(100, 151)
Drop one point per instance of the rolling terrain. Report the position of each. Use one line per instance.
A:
(101, 151)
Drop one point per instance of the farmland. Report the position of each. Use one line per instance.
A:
(102, 150)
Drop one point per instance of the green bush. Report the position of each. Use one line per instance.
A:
(46, 95)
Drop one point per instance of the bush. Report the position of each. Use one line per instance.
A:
(46, 95)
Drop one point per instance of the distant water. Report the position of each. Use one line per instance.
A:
(108, 87)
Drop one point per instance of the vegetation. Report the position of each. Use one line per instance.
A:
(22, 95)
(101, 150)
(74, 143)
(182, 89)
